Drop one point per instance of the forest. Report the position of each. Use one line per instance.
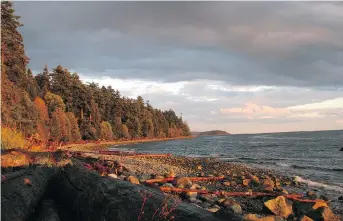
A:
(56, 106)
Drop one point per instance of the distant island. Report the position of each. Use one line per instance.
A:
(210, 133)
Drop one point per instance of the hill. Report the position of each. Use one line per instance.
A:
(212, 133)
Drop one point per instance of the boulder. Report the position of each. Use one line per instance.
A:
(322, 213)
(133, 180)
(185, 181)
(306, 218)
(279, 206)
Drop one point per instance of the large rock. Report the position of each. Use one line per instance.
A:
(268, 185)
(322, 214)
(306, 218)
(184, 181)
(279, 206)
(255, 217)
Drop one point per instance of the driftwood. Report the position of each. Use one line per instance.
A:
(21, 194)
(92, 197)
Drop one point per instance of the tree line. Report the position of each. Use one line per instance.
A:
(55, 105)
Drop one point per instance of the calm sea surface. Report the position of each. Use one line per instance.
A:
(313, 156)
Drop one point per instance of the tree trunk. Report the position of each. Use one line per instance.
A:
(92, 197)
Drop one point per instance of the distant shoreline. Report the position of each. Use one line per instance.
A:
(104, 144)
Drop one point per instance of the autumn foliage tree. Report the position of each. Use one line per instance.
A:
(58, 106)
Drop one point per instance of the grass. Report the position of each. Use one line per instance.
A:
(12, 138)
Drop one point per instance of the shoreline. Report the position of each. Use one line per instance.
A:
(104, 144)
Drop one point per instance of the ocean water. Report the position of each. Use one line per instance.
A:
(312, 156)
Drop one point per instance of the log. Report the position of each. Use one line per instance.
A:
(92, 197)
(21, 194)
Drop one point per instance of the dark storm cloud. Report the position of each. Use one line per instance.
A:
(255, 43)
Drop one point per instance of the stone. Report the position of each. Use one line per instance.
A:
(133, 180)
(319, 204)
(306, 218)
(168, 185)
(192, 200)
(340, 198)
(268, 185)
(213, 209)
(210, 175)
(203, 188)
(233, 183)
(226, 183)
(221, 200)
(279, 206)
(206, 204)
(323, 197)
(246, 182)
(255, 217)
(199, 167)
(144, 178)
(322, 213)
(207, 198)
(191, 195)
(185, 181)
(159, 177)
(254, 179)
(311, 194)
(195, 186)
(112, 175)
(202, 174)
(235, 208)
(171, 174)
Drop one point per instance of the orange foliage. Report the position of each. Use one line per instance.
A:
(42, 108)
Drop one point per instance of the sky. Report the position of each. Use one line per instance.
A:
(243, 67)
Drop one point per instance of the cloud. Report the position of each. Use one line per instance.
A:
(255, 43)
(238, 66)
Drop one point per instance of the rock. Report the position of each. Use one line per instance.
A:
(203, 188)
(246, 182)
(226, 183)
(340, 198)
(113, 175)
(206, 205)
(213, 209)
(255, 217)
(235, 208)
(306, 218)
(221, 200)
(210, 175)
(233, 183)
(279, 206)
(185, 181)
(202, 174)
(254, 179)
(191, 195)
(322, 213)
(207, 198)
(180, 186)
(168, 185)
(133, 180)
(192, 200)
(199, 167)
(143, 178)
(323, 197)
(159, 177)
(171, 174)
(311, 194)
(268, 185)
(195, 186)
(341, 149)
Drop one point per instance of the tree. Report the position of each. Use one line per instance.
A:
(147, 128)
(60, 126)
(43, 81)
(54, 102)
(106, 131)
(74, 127)
(87, 130)
(125, 132)
(43, 121)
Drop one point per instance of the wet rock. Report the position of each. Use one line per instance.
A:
(341, 149)
(340, 198)
(279, 206)
(133, 180)
(255, 217)
(322, 213)
(207, 198)
(185, 181)
(268, 185)
(112, 175)
(205, 204)
(306, 218)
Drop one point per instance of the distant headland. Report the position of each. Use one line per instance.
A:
(210, 133)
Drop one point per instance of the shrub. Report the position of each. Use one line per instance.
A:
(12, 138)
